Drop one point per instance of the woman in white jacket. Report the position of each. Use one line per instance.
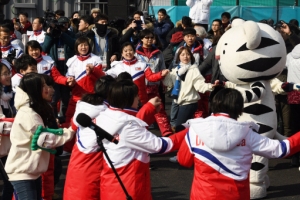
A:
(199, 11)
(25, 166)
(187, 81)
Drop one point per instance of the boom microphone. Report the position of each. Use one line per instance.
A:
(85, 121)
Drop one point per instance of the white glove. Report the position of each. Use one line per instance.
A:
(296, 87)
(46, 140)
(254, 126)
(5, 127)
(182, 70)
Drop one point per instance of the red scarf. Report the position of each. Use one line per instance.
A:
(220, 114)
(83, 58)
(147, 52)
(130, 62)
(36, 33)
(39, 59)
(6, 48)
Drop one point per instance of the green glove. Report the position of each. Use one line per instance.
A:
(45, 132)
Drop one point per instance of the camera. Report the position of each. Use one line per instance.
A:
(151, 18)
(51, 22)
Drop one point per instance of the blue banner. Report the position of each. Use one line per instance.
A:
(254, 13)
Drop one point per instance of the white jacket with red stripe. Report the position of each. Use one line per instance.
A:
(139, 72)
(221, 149)
(83, 175)
(77, 69)
(130, 156)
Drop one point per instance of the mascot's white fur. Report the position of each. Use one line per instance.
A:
(251, 55)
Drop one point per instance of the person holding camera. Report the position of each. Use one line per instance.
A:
(135, 25)
(37, 31)
(59, 45)
(106, 41)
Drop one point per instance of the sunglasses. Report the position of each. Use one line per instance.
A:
(147, 37)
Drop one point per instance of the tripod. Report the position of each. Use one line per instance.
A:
(100, 143)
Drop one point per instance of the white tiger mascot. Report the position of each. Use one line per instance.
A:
(251, 56)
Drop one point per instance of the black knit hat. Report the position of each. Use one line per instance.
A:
(188, 31)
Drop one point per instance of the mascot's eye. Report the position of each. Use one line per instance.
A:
(265, 42)
(223, 51)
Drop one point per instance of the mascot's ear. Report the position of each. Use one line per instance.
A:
(253, 34)
(237, 22)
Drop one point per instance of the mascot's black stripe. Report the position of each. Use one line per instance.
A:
(265, 42)
(257, 92)
(257, 109)
(264, 128)
(247, 80)
(249, 96)
(258, 84)
(257, 166)
(260, 64)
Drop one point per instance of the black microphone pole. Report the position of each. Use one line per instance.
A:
(100, 143)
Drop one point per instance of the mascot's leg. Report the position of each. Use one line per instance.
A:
(258, 177)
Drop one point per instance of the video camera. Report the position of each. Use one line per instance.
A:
(51, 22)
(151, 18)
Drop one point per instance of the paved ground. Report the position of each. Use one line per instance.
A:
(172, 182)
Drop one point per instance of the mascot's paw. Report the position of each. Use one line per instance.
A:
(296, 87)
(46, 140)
(257, 191)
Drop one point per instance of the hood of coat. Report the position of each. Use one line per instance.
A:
(112, 121)
(91, 110)
(21, 98)
(221, 133)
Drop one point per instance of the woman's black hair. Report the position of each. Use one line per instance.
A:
(145, 32)
(40, 19)
(124, 76)
(32, 84)
(228, 101)
(101, 90)
(48, 80)
(34, 45)
(125, 44)
(24, 62)
(122, 94)
(181, 49)
(73, 13)
(81, 40)
(7, 88)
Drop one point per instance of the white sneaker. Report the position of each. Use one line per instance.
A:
(173, 159)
